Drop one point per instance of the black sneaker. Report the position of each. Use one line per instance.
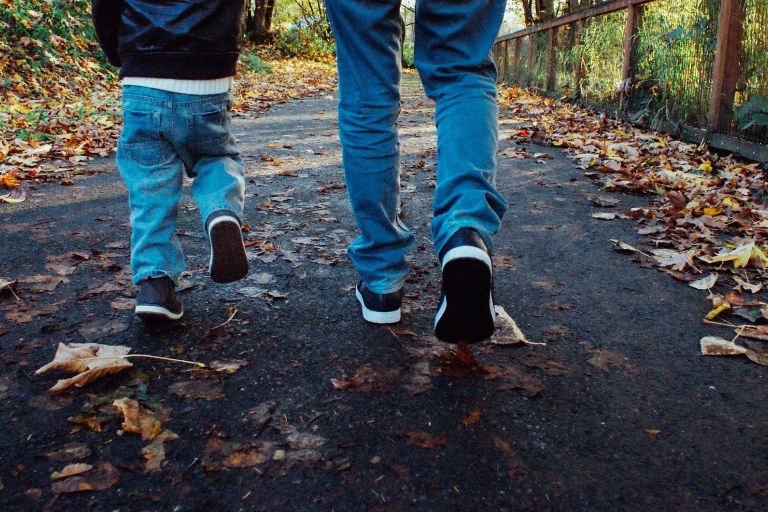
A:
(466, 313)
(229, 262)
(379, 308)
(157, 301)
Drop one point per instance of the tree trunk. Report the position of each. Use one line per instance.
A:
(258, 20)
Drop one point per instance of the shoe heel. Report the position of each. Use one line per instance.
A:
(229, 261)
(466, 314)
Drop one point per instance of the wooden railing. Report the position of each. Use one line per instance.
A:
(725, 74)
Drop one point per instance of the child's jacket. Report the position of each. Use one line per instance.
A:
(189, 40)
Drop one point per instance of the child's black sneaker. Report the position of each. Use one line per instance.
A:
(157, 300)
(466, 313)
(379, 308)
(229, 262)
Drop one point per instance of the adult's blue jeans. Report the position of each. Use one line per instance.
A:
(452, 54)
(164, 135)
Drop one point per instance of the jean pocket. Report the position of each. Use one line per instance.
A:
(210, 128)
(141, 140)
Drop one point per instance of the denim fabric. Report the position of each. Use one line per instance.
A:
(453, 44)
(164, 135)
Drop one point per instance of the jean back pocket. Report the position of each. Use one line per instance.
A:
(141, 139)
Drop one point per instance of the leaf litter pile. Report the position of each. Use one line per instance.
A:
(707, 223)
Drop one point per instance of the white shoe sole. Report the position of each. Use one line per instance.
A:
(158, 312)
(377, 317)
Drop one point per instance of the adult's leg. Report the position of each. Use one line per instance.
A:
(453, 44)
(368, 55)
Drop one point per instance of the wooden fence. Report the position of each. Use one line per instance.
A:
(518, 51)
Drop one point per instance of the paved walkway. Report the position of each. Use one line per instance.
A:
(617, 412)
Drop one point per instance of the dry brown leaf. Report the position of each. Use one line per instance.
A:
(68, 453)
(79, 357)
(138, 419)
(472, 417)
(714, 346)
(198, 390)
(154, 452)
(71, 470)
(507, 332)
(705, 283)
(423, 439)
(103, 477)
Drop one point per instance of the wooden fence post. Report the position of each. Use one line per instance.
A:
(634, 14)
(578, 71)
(725, 75)
(516, 59)
(531, 59)
(505, 49)
(552, 61)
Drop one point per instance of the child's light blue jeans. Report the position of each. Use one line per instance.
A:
(165, 134)
(452, 54)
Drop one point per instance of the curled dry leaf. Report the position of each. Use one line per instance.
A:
(138, 419)
(71, 470)
(154, 452)
(604, 216)
(705, 283)
(228, 366)
(507, 332)
(90, 360)
(714, 346)
(678, 260)
(751, 288)
(103, 477)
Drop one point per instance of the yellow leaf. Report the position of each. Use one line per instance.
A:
(741, 255)
(706, 166)
(719, 309)
(712, 211)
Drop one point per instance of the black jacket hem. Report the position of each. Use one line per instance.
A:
(181, 66)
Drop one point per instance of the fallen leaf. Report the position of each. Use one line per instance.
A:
(13, 196)
(228, 365)
(705, 283)
(80, 357)
(604, 216)
(751, 288)
(606, 359)
(473, 417)
(514, 466)
(758, 332)
(101, 328)
(423, 439)
(138, 419)
(198, 390)
(367, 379)
(714, 346)
(678, 260)
(741, 255)
(68, 453)
(154, 452)
(71, 470)
(103, 477)
(507, 332)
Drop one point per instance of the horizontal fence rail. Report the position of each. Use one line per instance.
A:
(694, 68)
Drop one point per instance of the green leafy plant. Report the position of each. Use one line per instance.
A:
(255, 64)
(753, 113)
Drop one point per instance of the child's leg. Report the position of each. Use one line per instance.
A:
(153, 174)
(214, 158)
(219, 187)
